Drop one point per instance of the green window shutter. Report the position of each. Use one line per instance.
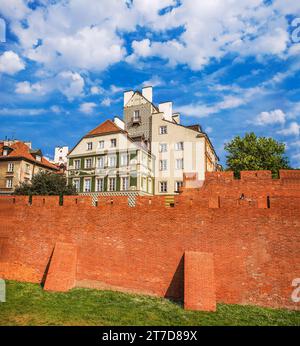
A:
(81, 163)
(93, 188)
(118, 183)
(105, 183)
(81, 184)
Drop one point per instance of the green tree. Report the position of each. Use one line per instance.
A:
(255, 153)
(46, 183)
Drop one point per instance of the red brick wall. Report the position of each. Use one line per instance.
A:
(256, 249)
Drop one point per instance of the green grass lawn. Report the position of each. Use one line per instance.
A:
(28, 304)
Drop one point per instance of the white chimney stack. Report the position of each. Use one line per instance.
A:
(127, 96)
(166, 108)
(120, 123)
(147, 93)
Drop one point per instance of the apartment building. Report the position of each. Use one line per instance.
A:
(18, 163)
(177, 148)
(107, 160)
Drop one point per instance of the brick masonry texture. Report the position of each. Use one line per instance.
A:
(249, 230)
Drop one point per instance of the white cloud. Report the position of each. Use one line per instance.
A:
(28, 88)
(69, 83)
(87, 107)
(238, 98)
(292, 130)
(13, 9)
(276, 116)
(73, 35)
(106, 102)
(56, 109)
(154, 81)
(22, 111)
(11, 63)
(96, 90)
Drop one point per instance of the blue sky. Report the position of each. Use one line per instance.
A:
(231, 66)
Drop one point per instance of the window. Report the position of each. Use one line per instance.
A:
(77, 164)
(9, 183)
(163, 147)
(163, 186)
(112, 161)
(89, 146)
(163, 130)
(124, 160)
(100, 162)
(100, 184)
(38, 158)
(178, 185)
(101, 144)
(124, 183)
(179, 164)
(112, 184)
(5, 152)
(88, 163)
(27, 168)
(163, 165)
(87, 185)
(113, 143)
(136, 115)
(179, 146)
(10, 167)
(76, 183)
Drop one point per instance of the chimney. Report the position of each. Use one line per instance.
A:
(176, 118)
(166, 108)
(120, 123)
(147, 93)
(127, 96)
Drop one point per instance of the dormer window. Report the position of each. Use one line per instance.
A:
(5, 152)
(38, 158)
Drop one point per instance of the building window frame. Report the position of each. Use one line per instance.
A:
(163, 165)
(86, 165)
(87, 184)
(179, 146)
(77, 163)
(9, 183)
(112, 183)
(178, 185)
(163, 130)
(125, 183)
(101, 144)
(110, 162)
(113, 143)
(89, 146)
(100, 159)
(99, 184)
(136, 115)
(76, 184)
(163, 186)
(179, 163)
(122, 161)
(10, 167)
(163, 147)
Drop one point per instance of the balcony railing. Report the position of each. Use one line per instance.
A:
(136, 120)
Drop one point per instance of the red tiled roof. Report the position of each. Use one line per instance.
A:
(107, 127)
(21, 150)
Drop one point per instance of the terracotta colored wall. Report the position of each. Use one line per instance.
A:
(256, 249)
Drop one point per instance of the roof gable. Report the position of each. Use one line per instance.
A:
(106, 127)
(21, 150)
